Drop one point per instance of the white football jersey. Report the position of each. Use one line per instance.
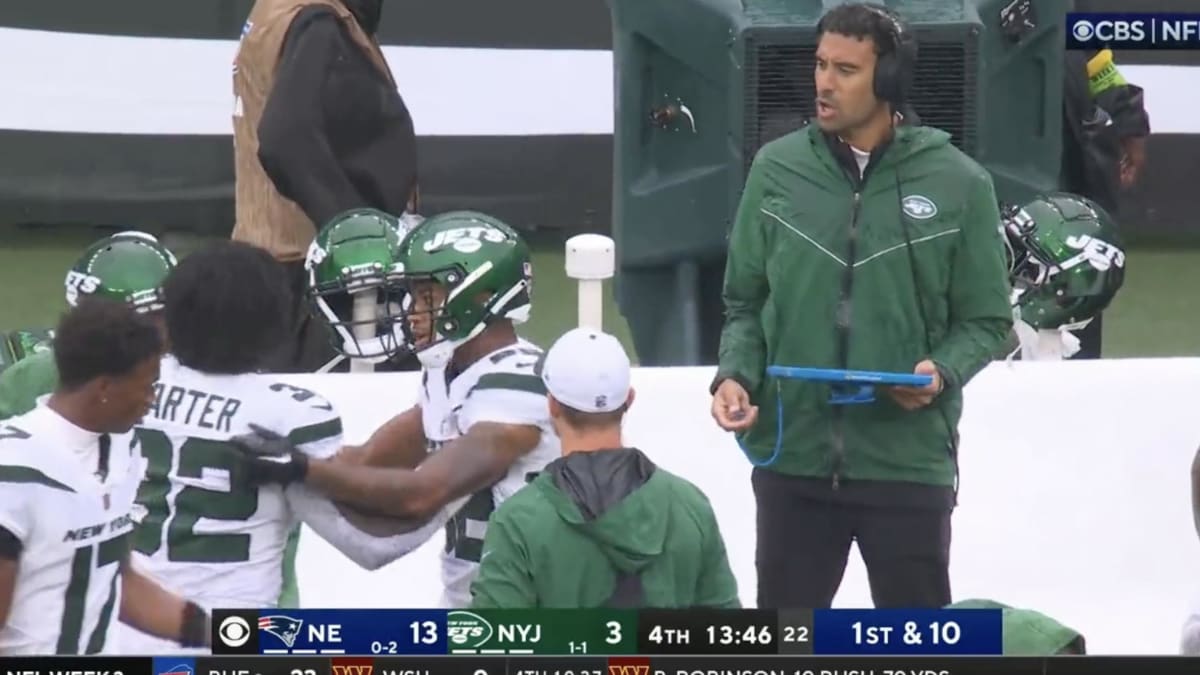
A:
(74, 526)
(502, 387)
(202, 531)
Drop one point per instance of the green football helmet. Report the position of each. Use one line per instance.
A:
(128, 266)
(353, 282)
(1066, 259)
(483, 270)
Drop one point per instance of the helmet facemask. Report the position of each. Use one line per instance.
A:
(353, 286)
(362, 308)
(446, 308)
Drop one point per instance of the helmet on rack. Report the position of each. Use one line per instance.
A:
(128, 267)
(462, 271)
(352, 270)
(1066, 260)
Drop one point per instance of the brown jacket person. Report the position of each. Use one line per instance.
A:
(319, 128)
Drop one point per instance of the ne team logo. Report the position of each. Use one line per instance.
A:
(285, 628)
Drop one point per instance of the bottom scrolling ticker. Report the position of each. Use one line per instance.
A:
(600, 665)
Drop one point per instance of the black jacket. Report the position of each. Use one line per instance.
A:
(1092, 131)
(335, 134)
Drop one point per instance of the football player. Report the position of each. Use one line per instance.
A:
(127, 267)
(1067, 264)
(350, 267)
(69, 476)
(201, 526)
(481, 428)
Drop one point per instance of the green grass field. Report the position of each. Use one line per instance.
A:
(1156, 314)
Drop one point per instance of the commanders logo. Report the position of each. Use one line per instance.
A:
(467, 631)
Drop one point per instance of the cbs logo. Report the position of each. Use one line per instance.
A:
(234, 631)
(1108, 31)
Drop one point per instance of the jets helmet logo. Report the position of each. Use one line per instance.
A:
(1099, 254)
(80, 283)
(464, 239)
(283, 627)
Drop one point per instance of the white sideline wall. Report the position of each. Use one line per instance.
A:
(1075, 493)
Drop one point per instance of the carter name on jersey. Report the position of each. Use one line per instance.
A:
(179, 405)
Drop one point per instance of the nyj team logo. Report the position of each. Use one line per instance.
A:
(467, 631)
(919, 207)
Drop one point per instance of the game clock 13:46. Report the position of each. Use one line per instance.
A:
(728, 636)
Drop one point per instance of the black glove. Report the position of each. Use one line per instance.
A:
(269, 457)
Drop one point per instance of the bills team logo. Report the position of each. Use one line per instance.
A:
(176, 666)
(285, 628)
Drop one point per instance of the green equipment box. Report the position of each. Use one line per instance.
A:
(701, 85)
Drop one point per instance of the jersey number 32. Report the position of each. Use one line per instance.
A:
(179, 513)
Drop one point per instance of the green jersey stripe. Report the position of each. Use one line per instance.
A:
(316, 432)
(514, 381)
(28, 474)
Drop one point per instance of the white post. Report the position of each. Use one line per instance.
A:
(590, 259)
(364, 326)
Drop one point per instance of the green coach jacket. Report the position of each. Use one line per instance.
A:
(1030, 633)
(828, 270)
(22, 383)
(604, 529)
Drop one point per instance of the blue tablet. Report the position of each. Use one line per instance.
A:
(850, 386)
(850, 376)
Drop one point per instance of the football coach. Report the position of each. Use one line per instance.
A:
(861, 242)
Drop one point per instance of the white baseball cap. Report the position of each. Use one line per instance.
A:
(587, 370)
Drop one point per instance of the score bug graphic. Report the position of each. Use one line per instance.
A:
(330, 631)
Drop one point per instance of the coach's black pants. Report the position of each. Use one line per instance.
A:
(804, 544)
(1090, 339)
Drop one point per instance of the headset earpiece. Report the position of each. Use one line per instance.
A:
(894, 69)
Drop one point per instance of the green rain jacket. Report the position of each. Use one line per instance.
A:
(819, 274)
(605, 529)
(22, 383)
(1030, 633)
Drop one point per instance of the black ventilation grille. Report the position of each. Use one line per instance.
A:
(779, 84)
